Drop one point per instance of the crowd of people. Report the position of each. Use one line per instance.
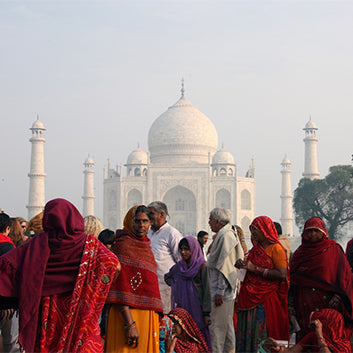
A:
(69, 285)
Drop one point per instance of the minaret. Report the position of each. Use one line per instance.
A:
(311, 170)
(286, 198)
(88, 188)
(36, 198)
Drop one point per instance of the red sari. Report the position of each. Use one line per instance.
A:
(194, 341)
(61, 278)
(256, 290)
(319, 270)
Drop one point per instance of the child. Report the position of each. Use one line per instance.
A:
(190, 285)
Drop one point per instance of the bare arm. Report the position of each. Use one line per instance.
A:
(277, 273)
(131, 334)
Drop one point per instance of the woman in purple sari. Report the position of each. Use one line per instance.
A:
(190, 284)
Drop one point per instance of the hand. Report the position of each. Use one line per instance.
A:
(317, 325)
(240, 263)
(207, 320)
(132, 337)
(271, 345)
(170, 342)
(218, 300)
(7, 314)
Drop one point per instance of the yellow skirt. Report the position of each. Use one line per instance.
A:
(147, 324)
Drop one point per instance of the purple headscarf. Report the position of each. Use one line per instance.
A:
(184, 294)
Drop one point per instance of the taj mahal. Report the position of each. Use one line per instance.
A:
(183, 167)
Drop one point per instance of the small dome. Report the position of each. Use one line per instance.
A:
(285, 160)
(310, 125)
(89, 160)
(223, 156)
(38, 125)
(137, 156)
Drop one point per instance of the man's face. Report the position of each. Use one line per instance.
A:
(203, 240)
(141, 224)
(215, 225)
(158, 218)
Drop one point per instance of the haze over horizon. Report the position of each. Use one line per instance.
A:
(99, 73)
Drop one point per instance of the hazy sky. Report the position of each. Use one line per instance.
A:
(99, 73)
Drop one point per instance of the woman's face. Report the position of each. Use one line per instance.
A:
(313, 235)
(141, 224)
(185, 253)
(257, 234)
(177, 330)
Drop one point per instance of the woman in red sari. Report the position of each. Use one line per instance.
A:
(320, 276)
(133, 320)
(61, 279)
(262, 301)
(186, 336)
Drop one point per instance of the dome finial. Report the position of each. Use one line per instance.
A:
(182, 88)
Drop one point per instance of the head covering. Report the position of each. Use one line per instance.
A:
(267, 227)
(46, 265)
(314, 223)
(181, 276)
(35, 224)
(128, 219)
(195, 342)
(323, 265)
(336, 333)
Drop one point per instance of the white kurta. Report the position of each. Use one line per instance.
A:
(164, 243)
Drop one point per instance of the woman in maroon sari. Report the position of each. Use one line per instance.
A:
(186, 335)
(320, 276)
(262, 301)
(61, 279)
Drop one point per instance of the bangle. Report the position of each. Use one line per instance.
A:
(258, 270)
(265, 273)
(128, 327)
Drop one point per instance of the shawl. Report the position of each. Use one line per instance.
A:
(128, 219)
(335, 332)
(224, 254)
(70, 323)
(184, 295)
(195, 341)
(137, 285)
(47, 264)
(323, 265)
(256, 290)
(241, 237)
(5, 239)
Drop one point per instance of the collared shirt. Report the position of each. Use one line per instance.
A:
(165, 247)
(219, 285)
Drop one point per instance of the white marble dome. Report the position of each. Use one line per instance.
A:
(310, 125)
(137, 156)
(38, 125)
(182, 134)
(223, 157)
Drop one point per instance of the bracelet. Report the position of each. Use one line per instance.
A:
(258, 270)
(128, 327)
(265, 273)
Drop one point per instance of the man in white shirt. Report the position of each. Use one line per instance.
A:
(164, 242)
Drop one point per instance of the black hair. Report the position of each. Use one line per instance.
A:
(107, 237)
(183, 241)
(278, 228)
(4, 222)
(144, 209)
(201, 234)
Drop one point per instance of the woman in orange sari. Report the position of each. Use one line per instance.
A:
(133, 320)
